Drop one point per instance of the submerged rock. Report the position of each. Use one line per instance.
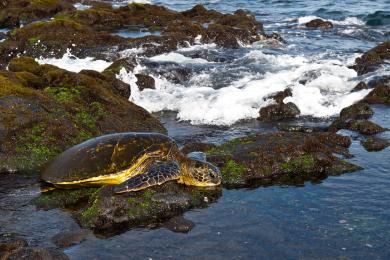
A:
(35, 253)
(281, 157)
(68, 239)
(319, 23)
(179, 225)
(17, 248)
(373, 144)
(371, 59)
(34, 113)
(300, 128)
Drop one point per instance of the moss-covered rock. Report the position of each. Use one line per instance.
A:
(364, 127)
(55, 38)
(194, 146)
(108, 214)
(381, 91)
(85, 32)
(373, 144)
(276, 112)
(16, 12)
(357, 111)
(46, 109)
(281, 157)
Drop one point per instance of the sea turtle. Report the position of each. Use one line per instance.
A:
(130, 162)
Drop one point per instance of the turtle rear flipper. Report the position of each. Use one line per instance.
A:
(156, 174)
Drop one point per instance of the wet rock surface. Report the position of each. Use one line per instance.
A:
(300, 128)
(86, 32)
(371, 59)
(357, 111)
(281, 157)
(197, 147)
(319, 23)
(374, 144)
(381, 91)
(360, 86)
(279, 111)
(145, 82)
(109, 214)
(39, 104)
(364, 127)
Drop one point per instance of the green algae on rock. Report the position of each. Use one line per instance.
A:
(374, 144)
(14, 13)
(87, 31)
(108, 214)
(34, 117)
(281, 157)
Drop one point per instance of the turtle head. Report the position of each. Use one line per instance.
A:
(198, 172)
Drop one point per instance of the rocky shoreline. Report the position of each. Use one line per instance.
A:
(45, 110)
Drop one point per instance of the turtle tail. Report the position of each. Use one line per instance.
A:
(156, 174)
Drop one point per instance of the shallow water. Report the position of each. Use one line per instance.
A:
(135, 33)
(345, 217)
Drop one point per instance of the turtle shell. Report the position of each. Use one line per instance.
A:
(108, 159)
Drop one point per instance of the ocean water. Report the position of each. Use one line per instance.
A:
(227, 86)
(344, 217)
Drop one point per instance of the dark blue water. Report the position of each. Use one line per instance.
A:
(345, 217)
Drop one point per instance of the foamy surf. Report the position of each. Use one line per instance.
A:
(75, 64)
(325, 92)
(177, 58)
(347, 21)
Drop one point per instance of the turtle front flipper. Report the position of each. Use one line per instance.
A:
(156, 174)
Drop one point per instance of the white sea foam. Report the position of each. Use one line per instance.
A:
(197, 47)
(80, 6)
(325, 95)
(177, 58)
(347, 21)
(130, 52)
(72, 63)
(118, 3)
